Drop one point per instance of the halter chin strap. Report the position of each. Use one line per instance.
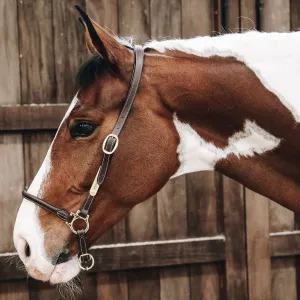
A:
(110, 144)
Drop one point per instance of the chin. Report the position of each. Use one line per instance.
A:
(65, 272)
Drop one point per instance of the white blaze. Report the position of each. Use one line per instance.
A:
(27, 228)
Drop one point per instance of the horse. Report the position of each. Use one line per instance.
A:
(227, 103)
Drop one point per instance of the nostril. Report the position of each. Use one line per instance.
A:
(27, 250)
(63, 257)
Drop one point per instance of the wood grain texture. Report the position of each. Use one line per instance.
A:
(232, 15)
(31, 117)
(172, 224)
(112, 286)
(104, 12)
(14, 290)
(197, 18)
(276, 17)
(258, 250)
(295, 14)
(165, 19)
(202, 201)
(11, 152)
(38, 86)
(248, 15)
(134, 20)
(145, 255)
(236, 257)
(69, 48)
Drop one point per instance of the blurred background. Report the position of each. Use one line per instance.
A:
(226, 241)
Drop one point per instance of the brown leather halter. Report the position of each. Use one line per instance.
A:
(110, 144)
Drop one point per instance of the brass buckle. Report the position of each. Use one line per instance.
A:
(77, 216)
(115, 146)
(90, 258)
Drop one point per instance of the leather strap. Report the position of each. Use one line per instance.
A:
(110, 143)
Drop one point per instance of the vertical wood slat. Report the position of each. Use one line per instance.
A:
(235, 249)
(69, 47)
(202, 197)
(295, 15)
(38, 82)
(276, 17)
(11, 150)
(172, 224)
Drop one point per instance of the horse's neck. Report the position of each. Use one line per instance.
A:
(239, 115)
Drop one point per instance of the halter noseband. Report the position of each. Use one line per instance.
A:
(110, 144)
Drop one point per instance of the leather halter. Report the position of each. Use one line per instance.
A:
(110, 144)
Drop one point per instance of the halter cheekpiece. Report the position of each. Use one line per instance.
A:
(110, 144)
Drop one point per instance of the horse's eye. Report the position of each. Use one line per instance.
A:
(82, 129)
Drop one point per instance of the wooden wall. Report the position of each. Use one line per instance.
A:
(203, 236)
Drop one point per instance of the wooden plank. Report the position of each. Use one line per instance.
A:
(38, 85)
(134, 19)
(14, 290)
(31, 117)
(248, 15)
(104, 12)
(141, 255)
(285, 243)
(11, 150)
(197, 18)
(112, 286)
(172, 224)
(69, 47)
(231, 16)
(143, 284)
(258, 251)
(235, 251)
(202, 196)
(276, 17)
(295, 14)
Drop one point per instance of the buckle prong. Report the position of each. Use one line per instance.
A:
(77, 216)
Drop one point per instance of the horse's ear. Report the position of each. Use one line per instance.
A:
(100, 41)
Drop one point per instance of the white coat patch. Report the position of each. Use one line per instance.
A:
(196, 154)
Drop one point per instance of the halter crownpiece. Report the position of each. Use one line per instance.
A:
(110, 144)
